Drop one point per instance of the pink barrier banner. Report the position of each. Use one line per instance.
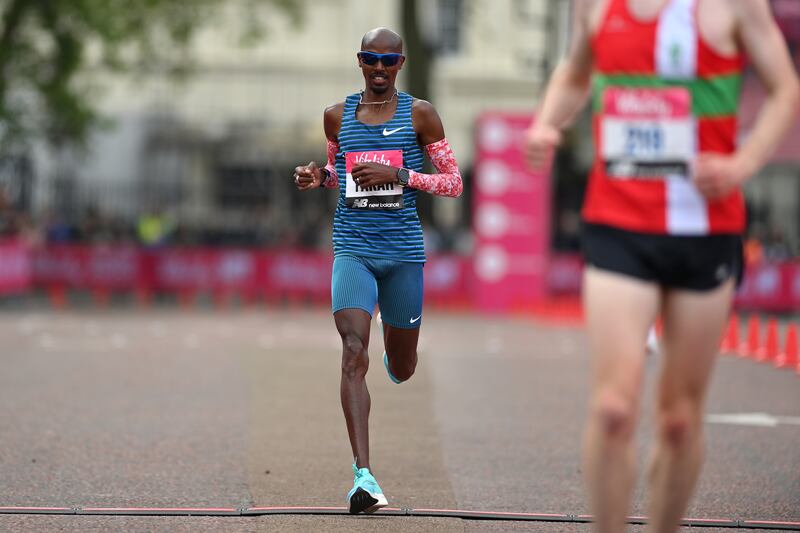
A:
(89, 267)
(292, 274)
(297, 274)
(15, 267)
(450, 280)
(511, 214)
(771, 287)
(565, 274)
(200, 269)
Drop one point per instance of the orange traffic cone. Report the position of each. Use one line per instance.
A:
(789, 357)
(222, 299)
(730, 343)
(58, 296)
(770, 351)
(101, 297)
(143, 297)
(749, 348)
(186, 299)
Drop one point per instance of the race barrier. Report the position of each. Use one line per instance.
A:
(291, 276)
(15, 268)
(297, 276)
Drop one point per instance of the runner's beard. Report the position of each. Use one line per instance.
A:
(380, 88)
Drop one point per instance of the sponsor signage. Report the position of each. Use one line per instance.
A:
(511, 214)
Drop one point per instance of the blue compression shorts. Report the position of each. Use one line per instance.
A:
(396, 286)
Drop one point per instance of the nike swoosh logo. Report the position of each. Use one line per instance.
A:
(386, 132)
(415, 319)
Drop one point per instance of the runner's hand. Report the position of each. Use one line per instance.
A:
(369, 174)
(540, 141)
(717, 175)
(308, 176)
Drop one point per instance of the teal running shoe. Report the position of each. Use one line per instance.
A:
(365, 496)
(386, 364)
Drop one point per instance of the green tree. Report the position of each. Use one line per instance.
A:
(48, 48)
(418, 50)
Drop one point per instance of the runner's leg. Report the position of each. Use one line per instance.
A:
(619, 311)
(693, 325)
(354, 294)
(353, 326)
(401, 348)
(400, 298)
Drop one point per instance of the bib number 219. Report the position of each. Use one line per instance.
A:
(644, 141)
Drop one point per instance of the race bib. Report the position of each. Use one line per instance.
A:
(387, 196)
(647, 132)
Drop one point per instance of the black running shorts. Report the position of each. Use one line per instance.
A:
(696, 263)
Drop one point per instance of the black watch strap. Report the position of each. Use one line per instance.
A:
(403, 176)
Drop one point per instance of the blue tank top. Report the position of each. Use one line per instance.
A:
(384, 233)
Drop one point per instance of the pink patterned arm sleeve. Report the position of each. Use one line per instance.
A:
(332, 181)
(448, 181)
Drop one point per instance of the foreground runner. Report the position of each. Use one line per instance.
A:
(663, 215)
(376, 141)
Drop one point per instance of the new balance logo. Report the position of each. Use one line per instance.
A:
(363, 202)
(386, 132)
(722, 272)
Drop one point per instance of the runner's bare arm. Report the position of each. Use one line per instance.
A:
(569, 84)
(566, 92)
(766, 48)
(717, 175)
(430, 135)
(310, 176)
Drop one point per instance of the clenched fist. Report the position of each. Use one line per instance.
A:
(540, 141)
(308, 176)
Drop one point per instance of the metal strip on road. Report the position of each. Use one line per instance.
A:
(160, 511)
(388, 511)
(259, 511)
(38, 510)
(766, 524)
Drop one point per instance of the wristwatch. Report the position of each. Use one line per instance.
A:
(403, 176)
(325, 176)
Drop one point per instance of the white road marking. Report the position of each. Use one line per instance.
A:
(47, 342)
(91, 328)
(28, 325)
(753, 419)
(494, 345)
(266, 341)
(157, 329)
(191, 340)
(119, 341)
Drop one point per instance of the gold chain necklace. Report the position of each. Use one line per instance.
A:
(362, 102)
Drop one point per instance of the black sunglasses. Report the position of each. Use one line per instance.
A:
(371, 58)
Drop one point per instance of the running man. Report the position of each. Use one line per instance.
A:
(663, 216)
(377, 139)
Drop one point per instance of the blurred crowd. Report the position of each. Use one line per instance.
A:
(310, 228)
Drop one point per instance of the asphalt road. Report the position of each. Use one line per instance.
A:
(239, 409)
